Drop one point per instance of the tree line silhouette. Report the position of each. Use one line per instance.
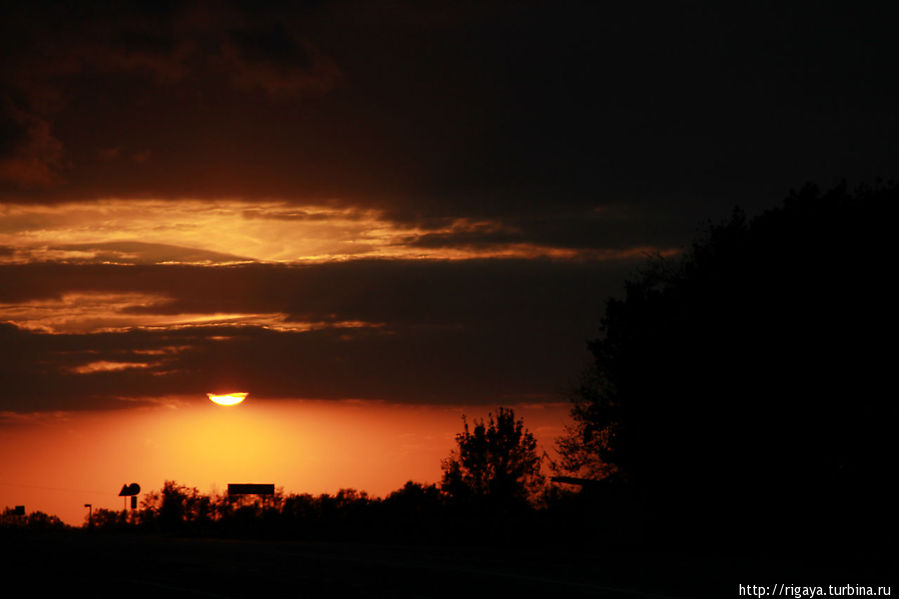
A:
(36, 520)
(491, 489)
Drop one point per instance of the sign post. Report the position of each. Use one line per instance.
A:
(129, 491)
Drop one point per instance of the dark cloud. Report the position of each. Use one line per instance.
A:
(413, 365)
(275, 46)
(608, 227)
(389, 291)
(12, 131)
(463, 332)
(30, 154)
(275, 60)
(67, 66)
(443, 111)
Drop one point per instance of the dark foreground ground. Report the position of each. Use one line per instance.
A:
(120, 565)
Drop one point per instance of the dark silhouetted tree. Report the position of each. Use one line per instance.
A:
(496, 461)
(109, 520)
(726, 382)
(177, 506)
(42, 521)
(34, 521)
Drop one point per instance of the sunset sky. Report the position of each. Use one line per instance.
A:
(373, 217)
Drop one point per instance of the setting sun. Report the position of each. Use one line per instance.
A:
(227, 399)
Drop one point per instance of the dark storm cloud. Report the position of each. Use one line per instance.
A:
(12, 132)
(275, 60)
(65, 65)
(376, 291)
(412, 365)
(34, 377)
(442, 111)
(607, 228)
(463, 332)
(30, 155)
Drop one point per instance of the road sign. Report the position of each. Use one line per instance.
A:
(129, 490)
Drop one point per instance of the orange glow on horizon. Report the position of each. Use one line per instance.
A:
(63, 460)
(227, 399)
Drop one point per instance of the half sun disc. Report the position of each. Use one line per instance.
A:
(227, 399)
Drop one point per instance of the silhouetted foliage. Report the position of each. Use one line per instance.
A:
(106, 519)
(178, 508)
(34, 521)
(739, 387)
(495, 461)
(484, 498)
(415, 500)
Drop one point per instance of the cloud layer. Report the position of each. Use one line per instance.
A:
(81, 336)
